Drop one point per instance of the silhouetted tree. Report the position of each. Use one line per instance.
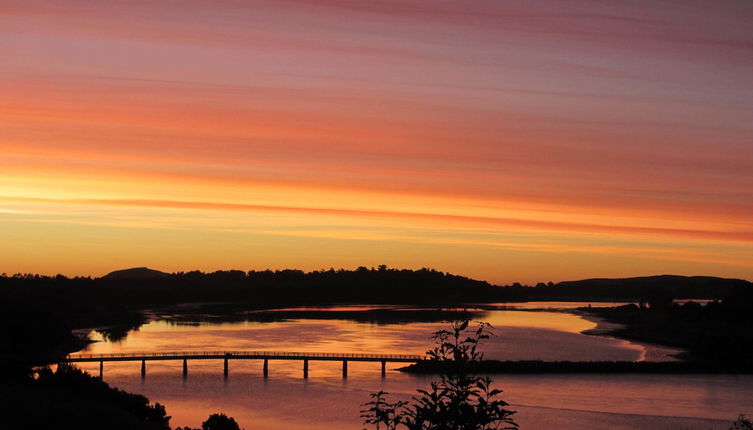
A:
(659, 299)
(220, 422)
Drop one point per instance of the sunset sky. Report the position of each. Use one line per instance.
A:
(503, 140)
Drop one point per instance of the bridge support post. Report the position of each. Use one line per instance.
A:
(225, 369)
(266, 368)
(384, 368)
(305, 369)
(101, 367)
(345, 369)
(185, 367)
(143, 369)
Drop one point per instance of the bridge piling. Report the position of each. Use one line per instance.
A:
(305, 357)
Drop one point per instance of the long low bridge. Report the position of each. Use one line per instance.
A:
(305, 357)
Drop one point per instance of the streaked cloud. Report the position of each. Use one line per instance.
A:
(624, 121)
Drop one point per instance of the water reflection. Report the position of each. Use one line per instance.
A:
(326, 401)
(520, 335)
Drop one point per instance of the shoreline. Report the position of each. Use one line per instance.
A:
(579, 367)
(653, 352)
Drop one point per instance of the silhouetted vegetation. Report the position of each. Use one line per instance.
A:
(715, 331)
(457, 401)
(219, 422)
(71, 399)
(216, 422)
(456, 346)
(742, 423)
(295, 287)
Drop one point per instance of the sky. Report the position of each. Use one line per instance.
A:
(510, 141)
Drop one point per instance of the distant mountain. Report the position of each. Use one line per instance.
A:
(135, 274)
(691, 287)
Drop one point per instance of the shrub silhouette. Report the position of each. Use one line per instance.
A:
(742, 423)
(455, 345)
(383, 414)
(71, 399)
(456, 401)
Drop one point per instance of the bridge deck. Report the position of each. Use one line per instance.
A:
(242, 355)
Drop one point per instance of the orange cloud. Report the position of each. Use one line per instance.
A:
(595, 127)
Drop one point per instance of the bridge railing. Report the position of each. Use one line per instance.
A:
(230, 354)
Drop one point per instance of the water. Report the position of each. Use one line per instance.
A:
(326, 401)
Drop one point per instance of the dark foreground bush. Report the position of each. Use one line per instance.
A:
(72, 399)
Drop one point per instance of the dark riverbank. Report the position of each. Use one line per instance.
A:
(71, 399)
(565, 367)
(717, 331)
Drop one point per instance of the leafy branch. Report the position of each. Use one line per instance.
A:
(456, 401)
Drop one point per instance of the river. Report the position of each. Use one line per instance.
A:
(544, 330)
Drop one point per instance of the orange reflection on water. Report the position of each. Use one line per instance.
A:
(518, 335)
(327, 401)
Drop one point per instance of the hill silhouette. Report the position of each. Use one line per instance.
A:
(640, 288)
(135, 274)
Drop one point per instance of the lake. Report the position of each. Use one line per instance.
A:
(538, 330)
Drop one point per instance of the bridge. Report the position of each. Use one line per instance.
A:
(305, 357)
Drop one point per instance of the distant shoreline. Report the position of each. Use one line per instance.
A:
(577, 367)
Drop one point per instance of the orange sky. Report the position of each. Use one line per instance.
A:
(508, 141)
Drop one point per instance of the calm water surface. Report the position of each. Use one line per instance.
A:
(325, 401)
